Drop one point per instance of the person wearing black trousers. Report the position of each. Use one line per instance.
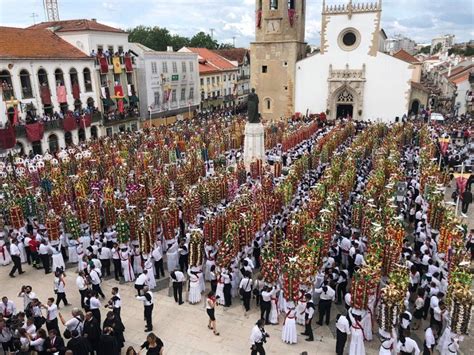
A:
(327, 296)
(44, 255)
(15, 254)
(183, 256)
(245, 289)
(343, 329)
(308, 318)
(116, 260)
(147, 300)
(158, 257)
(266, 303)
(341, 287)
(178, 278)
(51, 315)
(227, 288)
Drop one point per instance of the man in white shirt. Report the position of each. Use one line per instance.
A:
(308, 318)
(7, 308)
(178, 278)
(343, 329)
(82, 286)
(117, 263)
(44, 251)
(28, 295)
(430, 341)
(407, 345)
(94, 305)
(257, 338)
(157, 255)
(265, 303)
(141, 281)
(51, 315)
(15, 254)
(115, 302)
(147, 300)
(325, 301)
(96, 280)
(105, 254)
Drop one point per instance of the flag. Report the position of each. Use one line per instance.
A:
(61, 94)
(168, 94)
(104, 66)
(128, 63)
(7, 138)
(120, 105)
(85, 121)
(15, 115)
(35, 131)
(45, 95)
(76, 91)
(259, 18)
(117, 66)
(69, 122)
(118, 91)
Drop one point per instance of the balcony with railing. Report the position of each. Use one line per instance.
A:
(243, 78)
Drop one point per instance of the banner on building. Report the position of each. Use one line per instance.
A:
(104, 66)
(128, 63)
(7, 138)
(35, 131)
(117, 65)
(69, 122)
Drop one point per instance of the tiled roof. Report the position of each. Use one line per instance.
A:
(37, 44)
(77, 25)
(233, 54)
(460, 78)
(405, 56)
(211, 62)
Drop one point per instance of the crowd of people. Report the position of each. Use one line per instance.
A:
(98, 256)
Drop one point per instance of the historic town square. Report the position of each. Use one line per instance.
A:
(236, 177)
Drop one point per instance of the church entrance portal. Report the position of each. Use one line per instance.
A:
(344, 110)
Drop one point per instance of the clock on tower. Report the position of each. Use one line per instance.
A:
(279, 44)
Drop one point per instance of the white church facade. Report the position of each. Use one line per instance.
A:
(350, 76)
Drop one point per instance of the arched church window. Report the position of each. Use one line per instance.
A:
(273, 4)
(345, 96)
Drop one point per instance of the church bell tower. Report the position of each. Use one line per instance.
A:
(279, 44)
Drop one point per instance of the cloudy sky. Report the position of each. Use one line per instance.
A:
(419, 19)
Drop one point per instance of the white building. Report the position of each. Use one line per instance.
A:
(240, 57)
(42, 74)
(99, 40)
(442, 43)
(169, 83)
(350, 76)
(399, 42)
(218, 79)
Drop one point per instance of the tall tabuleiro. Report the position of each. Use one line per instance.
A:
(279, 44)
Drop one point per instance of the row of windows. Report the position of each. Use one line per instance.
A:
(174, 66)
(25, 80)
(110, 49)
(157, 96)
(274, 4)
(217, 79)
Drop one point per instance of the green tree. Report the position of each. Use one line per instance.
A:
(425, 50)
(437, 48)
(156, 38)
(203, 40)
(178, 42)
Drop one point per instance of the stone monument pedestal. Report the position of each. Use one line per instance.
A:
(254, 143)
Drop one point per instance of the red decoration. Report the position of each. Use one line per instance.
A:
(45, 95)
(104, 66)
(69, 122)
(7, 138)
(35, 131)
(128, 63)
(76, 91)
(85, 121)
(118, 90)
(259, 18)
(291, 16)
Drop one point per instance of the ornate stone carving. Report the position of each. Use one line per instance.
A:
(346, 86)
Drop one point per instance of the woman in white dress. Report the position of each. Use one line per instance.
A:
(235, 277)
(150, 267)
(288, 334)
(220, 290)
(127, 268)
(202, 283)
(80, 257)
(72, 250)
(172, 256)
(357, 346)
(301, 308)
(274, 307)
(5, 257)
(210, 252)
(21, 246)
(58, 260)
(194, 288)
(137, 261)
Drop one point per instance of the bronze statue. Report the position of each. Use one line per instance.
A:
(252, 107)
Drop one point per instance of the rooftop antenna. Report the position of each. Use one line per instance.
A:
(52, 10)
(233, 41)
(34, 16)
(212, 32)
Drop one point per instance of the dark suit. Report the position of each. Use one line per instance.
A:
(79, 346)
(56, 346)
(92, 330)
(108, 345)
